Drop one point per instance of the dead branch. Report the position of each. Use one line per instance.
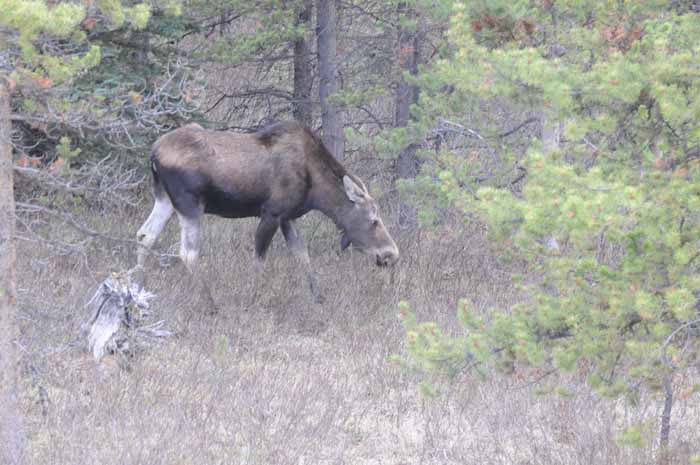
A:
(119, 319)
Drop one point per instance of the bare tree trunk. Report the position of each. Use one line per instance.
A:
(408, 55)
(328, 74)
(551, 139)
(302, 67)
(10, 420)
(551, 133)
(666, 421)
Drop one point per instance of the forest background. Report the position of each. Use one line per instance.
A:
(537, 161)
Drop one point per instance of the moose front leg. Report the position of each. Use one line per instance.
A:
(301, 252)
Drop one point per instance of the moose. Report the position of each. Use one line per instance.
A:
(277, 174)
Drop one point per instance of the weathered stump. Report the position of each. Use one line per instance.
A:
(120, 319)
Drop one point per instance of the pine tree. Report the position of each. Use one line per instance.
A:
(602, 205)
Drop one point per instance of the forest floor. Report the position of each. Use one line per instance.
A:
(276, 379)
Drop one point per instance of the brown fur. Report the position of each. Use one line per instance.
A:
(277, 174)
(283, 167)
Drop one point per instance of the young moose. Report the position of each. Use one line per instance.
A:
(278, 174)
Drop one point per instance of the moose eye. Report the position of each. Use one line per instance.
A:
(375, 223)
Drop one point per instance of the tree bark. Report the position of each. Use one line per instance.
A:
(551, 133)
(408, 56)
(666, 421)
(328, 75)
(10, 419)
(551, 138)
(302, 67)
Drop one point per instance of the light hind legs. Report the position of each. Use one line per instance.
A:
(148, 233)
(190, 232)
(189, 241)
(301, 253)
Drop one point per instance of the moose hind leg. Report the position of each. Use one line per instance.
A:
(301, 253)
(151, 229)
(189, 241)
(263, 235)
(190, 233)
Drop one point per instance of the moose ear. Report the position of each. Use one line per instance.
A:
(344, 242)
(353, 190)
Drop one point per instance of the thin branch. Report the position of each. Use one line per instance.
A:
(669, 339)
(71, 221)
(517, 128)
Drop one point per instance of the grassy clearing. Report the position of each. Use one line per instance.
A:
(275, 379)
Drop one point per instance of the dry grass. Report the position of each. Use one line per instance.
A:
(275, 379)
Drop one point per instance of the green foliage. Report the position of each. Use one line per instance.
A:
(98, 73)
(117, 13)
(34, 20)
(64, 152)
(138, 15)
(270, 24)
(433, 350)
(607, 219)
(32, 17)
(635, 436)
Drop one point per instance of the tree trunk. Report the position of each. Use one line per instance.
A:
(10, 420)
(328, 74)
(551, 133)
(666, 421)
(551, 138)
(302, 67)
(408, 55)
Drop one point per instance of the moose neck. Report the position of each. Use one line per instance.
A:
(328, 196)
